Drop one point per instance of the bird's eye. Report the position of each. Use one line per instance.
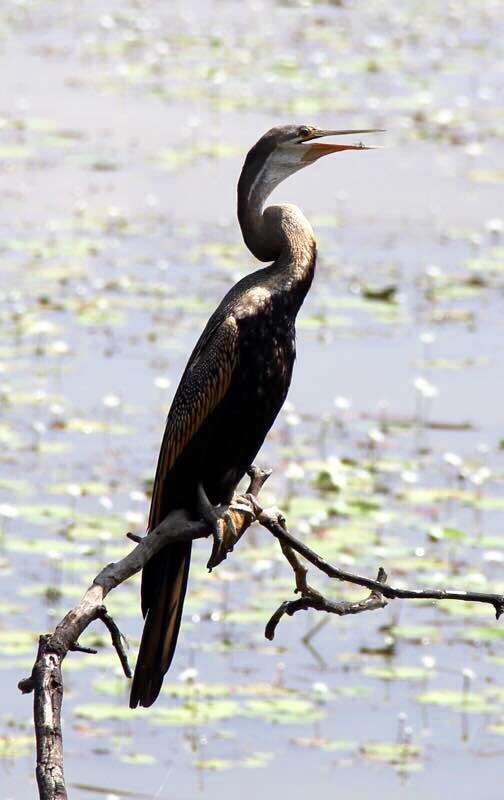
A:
(304, 131)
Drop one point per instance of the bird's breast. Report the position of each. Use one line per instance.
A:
(267, 351)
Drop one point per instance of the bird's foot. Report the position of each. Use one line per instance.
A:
(220, 521)
(248, 504)
(224, 536)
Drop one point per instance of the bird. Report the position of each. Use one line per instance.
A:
(234, 384)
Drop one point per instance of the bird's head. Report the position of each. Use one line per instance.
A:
(281, 152)
(285, 150)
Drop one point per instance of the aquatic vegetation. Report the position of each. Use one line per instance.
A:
(118, 238)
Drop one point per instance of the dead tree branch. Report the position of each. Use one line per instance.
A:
(274, 521)
(46, 677)
(320, 603)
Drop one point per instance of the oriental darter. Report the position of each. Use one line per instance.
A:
(234, 384)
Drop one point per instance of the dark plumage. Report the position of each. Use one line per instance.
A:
(233, 387)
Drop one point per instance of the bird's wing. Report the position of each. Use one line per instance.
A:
(202, 386)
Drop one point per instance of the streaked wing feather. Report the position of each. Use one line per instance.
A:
(202, 386)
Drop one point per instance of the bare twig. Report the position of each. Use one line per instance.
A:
(118, 640)
(320, 603)
(274, 521)
(258, 478)
(77, 648)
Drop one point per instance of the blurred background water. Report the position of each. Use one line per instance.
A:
(123, 127)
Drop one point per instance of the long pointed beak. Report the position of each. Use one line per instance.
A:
(315, 151)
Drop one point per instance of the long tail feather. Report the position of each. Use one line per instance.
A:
(164, 583)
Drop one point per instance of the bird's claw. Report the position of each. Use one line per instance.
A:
(218, 540)
(247, 504)
(223, 527)
(220, 520)
(224, 537)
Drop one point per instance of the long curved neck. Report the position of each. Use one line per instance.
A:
(279, 233)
